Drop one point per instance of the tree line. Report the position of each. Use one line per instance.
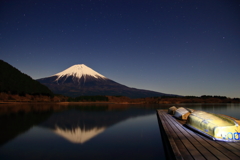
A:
(88, 99)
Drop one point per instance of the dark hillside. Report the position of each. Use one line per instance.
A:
(15, 82)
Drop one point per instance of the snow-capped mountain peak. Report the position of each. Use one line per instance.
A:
(80, 80)
(79, 71)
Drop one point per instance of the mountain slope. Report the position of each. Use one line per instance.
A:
(81, 80)
(16, 82)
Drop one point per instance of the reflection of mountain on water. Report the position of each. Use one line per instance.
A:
(80, 126)
(78, 135)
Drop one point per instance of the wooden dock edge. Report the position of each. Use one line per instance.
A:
(182, 143)
(170, 148)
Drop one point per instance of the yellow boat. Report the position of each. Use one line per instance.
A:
(216, 127)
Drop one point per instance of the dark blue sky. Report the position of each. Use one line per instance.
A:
(173, 46)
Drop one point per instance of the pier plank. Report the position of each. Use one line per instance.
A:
(185, 140)
(221, 147)
(196, 142)
(202, 145)
(181, 146)
(172, 142)
(187, 144)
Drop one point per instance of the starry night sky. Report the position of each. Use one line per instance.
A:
(172, 46)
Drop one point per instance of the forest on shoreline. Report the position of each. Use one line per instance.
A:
(6, 97)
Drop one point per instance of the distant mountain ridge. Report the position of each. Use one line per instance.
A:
(79, 80)
(15, 82)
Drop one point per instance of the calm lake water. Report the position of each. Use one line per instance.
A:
(92, 131)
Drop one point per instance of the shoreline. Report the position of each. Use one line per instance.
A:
(59, 99)
(124, 103)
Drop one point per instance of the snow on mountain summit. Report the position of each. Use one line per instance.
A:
(79, 71)
(80, 80)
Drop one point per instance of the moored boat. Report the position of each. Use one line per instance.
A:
(182, 113)
(216, 127)
(172, 110)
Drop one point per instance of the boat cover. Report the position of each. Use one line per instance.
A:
(172, 110)
(182, 113)
(217, 127)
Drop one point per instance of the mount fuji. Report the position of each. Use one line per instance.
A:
(80, 80)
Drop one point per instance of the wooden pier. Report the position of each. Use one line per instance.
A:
(182, 143)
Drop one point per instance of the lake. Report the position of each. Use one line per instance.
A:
(87, 131)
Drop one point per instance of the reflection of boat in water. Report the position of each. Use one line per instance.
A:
(214, 126)
(217, 127)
